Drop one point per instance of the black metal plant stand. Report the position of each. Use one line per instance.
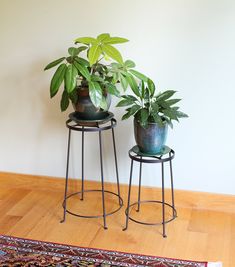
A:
(77, 124)
(166, 155)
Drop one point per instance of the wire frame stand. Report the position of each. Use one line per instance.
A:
(83, 126)
(166, 155)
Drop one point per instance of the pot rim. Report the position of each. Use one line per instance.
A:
(164, 122)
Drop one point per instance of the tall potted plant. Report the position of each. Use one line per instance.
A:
(90, 74)
(153, 113)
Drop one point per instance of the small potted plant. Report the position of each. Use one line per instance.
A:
(89, 80)
(152, 114)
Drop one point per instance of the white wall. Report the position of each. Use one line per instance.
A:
(186, 45)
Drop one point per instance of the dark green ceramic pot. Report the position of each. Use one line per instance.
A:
(151, 139)
(86, 109)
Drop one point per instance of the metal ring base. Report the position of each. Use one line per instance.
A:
(94, 216)
(152, 201)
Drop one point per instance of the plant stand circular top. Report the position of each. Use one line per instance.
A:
(74, 116)
(159, 156)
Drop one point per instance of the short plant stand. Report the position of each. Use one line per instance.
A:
(166, 155)
(83, 126)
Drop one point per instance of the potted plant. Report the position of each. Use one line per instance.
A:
(152, 114)
(90, 79)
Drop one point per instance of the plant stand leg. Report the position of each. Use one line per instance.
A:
(102, 180)
(139, 191)
(163, 203)
(172, 188)
(82, 195)
(116, 165)
(67, 177)
(129, 196)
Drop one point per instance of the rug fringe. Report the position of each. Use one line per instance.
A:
(215, 264)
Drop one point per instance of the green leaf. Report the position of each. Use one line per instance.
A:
(125, 102)
(82, 61)
(131, 111)
(129, 64)
(115, 40)
(102, 68)
(73, 96)
(115, 78)
(172, 101)
(81, 48)
(130, 97)
(157, 119)
(124, 82)
(151, 87)
(133, 84)
(104, 104)
(69, 59)
(170, 113)
(94, 54)
(169, 122)
(57, 79)
(54, 63)
(142, 90)
(147, 95)
(181, 114)
(73, 51)
(96, 78)
(155, 107)
(83, 70)
(71, 78)
(112, 52)
(134, 109)
(103, 36)
(144, 117)
(95, 93)
(112, 89)
(123, 72)
(86, 40)
(64, 103)
(163, 104)
(115, 66)
(166, 95)
(144, 114)
(126, 116)
(139, 75)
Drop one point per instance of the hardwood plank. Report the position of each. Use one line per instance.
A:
(184, 198)
(44, 204)
(7, 222)
(204, 229)
(12, 198)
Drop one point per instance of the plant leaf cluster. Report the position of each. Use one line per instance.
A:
(147, 106)
(93, 70)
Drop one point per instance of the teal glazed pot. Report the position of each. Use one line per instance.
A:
(151, 139)
(86, 109)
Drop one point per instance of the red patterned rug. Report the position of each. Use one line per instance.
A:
(19, 252)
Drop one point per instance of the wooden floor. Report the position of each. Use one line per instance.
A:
(30, 207)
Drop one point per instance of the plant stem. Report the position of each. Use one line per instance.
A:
(95, 65)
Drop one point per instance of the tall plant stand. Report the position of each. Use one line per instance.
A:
(166, 155)
(83, 126)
